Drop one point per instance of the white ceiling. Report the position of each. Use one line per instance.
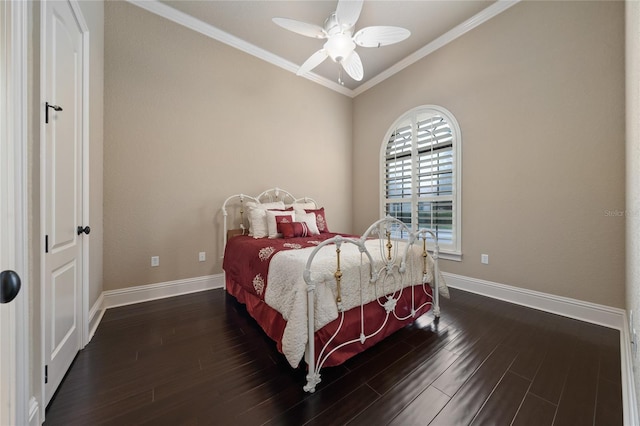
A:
(247, 24)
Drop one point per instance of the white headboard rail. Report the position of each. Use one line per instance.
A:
(238, 201)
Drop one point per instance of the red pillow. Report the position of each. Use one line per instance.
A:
(321, 219)
(283, 219)
(280, 218)
(293, 229)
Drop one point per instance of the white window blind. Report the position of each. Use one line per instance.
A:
(421, 183)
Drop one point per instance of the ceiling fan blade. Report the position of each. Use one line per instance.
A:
(353, 66)
(313, 61)
(309, 30)
(380, 36)
(348, 12)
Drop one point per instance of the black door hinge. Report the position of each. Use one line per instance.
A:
(46, 374)
(46, 244)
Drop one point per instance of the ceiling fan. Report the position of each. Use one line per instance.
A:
(341, 42)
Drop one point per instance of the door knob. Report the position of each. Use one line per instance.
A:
(86, 230)
(9, 286)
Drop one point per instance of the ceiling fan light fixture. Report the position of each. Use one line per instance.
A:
(339, 46)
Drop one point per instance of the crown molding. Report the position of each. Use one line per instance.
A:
(188, 21)
(161, 9)
(480, 18)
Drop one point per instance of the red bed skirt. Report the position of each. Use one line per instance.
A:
(273, 323)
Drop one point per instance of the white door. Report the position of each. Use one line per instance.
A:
(62, 193)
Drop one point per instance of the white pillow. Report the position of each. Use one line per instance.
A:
(310, 220)
(265, 206)
(260, 216)
(272, 226)
(302, 206)
(258, 223)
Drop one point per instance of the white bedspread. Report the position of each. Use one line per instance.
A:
(287, 291)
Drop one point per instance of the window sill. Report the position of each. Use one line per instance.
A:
(449, 255)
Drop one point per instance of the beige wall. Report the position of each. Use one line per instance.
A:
(538, 92)
(633, 166)
(190, 121)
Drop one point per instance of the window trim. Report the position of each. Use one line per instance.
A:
(455, 252)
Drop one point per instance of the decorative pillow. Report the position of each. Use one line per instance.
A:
(321, 219)
(310, 220)
(294, 229)
(257, 217)
(302, 206)
(258, 223)
(265, 206)
(277, 216)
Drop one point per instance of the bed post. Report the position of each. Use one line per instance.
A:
(436, 269)
(224, 230)
(313, 377)
(224, 240)
(436, 282)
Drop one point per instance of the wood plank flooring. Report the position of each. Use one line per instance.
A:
(200, 359)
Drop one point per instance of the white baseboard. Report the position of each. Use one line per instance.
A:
(145, 293)
(585, 311)
(34, 412)
(95, 316)
(629, 397)
(565, 306)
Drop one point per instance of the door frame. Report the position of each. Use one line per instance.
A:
(14, 316)
(83, 320)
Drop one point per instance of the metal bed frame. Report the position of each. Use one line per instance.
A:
(393, 263)
(390, 265)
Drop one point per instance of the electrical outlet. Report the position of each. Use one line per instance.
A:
(202, 256)
(155, 261)
(484, 258)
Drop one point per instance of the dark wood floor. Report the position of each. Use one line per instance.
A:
(200, 359)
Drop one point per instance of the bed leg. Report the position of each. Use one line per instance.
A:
(313, 376)
(312, 380)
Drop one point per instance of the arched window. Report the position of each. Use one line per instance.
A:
(420, 160)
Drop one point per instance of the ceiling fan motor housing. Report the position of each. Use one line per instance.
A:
(332, 26)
